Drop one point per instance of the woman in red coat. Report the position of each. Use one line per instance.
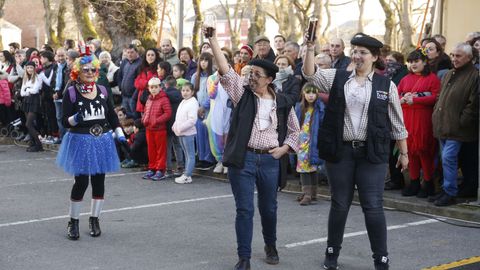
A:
(418, 92)
(148, 69)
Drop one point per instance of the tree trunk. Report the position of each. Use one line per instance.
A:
(317, 11)
(257, 26)
(51, 36)
(406, 26)
(127, 20)
(329, 20)
(84, 24)
(197, 26)
(2, 13)
(61, 22)
(361, 8)
(235, 23)
(389, 22)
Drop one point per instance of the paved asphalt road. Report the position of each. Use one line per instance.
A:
(163, 225)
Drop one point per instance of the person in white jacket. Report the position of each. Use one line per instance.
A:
(30, 91)
(106, 59)
(184, 128)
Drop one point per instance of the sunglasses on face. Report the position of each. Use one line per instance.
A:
(87, 69)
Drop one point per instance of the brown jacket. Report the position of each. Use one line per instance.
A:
(455, 115)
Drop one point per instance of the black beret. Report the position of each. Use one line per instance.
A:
(364, 40)
(270, 68)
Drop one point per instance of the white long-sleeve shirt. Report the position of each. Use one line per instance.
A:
(31, 87)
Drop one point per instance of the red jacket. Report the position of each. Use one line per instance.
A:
(157, 112)
(141, 84)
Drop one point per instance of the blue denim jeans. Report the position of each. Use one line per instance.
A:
(173, 146)
(127, 103)
(450, 150)
(188, 146)
(263, 171)
(59, 115)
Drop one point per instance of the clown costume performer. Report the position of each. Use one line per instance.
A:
(88, 149)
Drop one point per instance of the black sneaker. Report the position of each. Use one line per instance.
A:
(204, 166)
(331, 257)
(272, 255)
(382, 263)
(391, 185)
(445, 200)
(436, 196)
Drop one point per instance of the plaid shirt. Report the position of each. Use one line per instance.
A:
(323, 78)
(266, 138)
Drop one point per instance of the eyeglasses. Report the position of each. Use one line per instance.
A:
(257, 75)
(87, 69)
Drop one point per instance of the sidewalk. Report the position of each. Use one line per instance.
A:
(392, 199)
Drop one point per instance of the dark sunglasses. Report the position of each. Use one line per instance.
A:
(87, 69)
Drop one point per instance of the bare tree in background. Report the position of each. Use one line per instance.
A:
(404, 8)
(318, 11)
(329, 20)
(282, 18)
(303, 12)
(389, 22)
(361, 8)
(257, 20)
(127, 20)
(196, 26)
(85, 26)
(62, 10)
(49, 21)
(235, 23)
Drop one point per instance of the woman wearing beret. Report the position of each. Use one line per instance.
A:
(362, 115)
(88, 149)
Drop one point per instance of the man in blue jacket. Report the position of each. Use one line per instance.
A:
(126, 77)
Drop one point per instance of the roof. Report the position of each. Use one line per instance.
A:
(8, 25)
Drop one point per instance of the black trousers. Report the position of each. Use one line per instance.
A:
(81, 184)
(355, 169)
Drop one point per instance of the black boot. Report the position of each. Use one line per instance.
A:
(242, 264)
(412, 189)
(94, 227)
(331, 257)
(271, 254)
(428, 189)
(72, 229)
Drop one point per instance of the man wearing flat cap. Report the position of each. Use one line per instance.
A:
(362, 116)
(262, 131)
(263, 49)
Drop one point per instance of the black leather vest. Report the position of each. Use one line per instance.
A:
(330, 136)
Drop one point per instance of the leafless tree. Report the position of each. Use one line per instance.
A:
(235, 23)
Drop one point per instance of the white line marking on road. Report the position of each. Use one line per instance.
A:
(66, 180)
(118, 210)
(24, 160)
(353, 234)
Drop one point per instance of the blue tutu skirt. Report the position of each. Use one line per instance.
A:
(88, 155)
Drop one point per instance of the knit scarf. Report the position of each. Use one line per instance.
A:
(281, 77)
